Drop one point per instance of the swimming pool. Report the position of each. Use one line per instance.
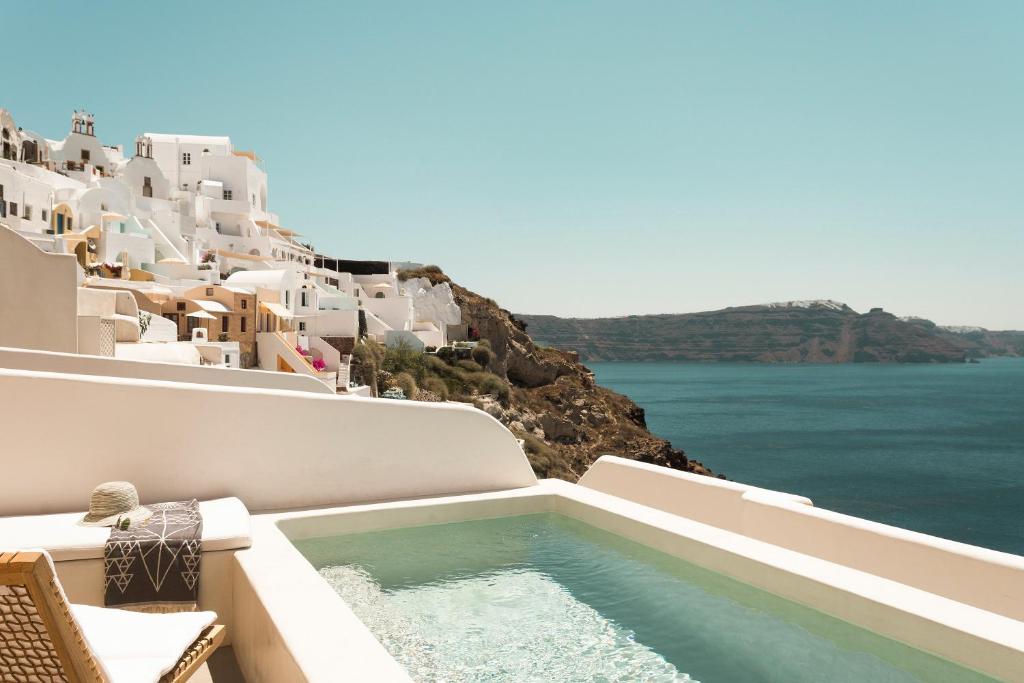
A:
(545, 597)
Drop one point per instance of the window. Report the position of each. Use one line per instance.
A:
(227, 194)
(103, 207)
(304, 298)
(85, 155)
(244, 320)
(223, 323)
(147, 186)
(181, 305)
(254, 200)
(184, 186)
(69, 223)
(28, 213)
(302, 327)
(14, 209)
(227, 359)
(245, 304)
(287, 298)
(186, 158)
(209, 291)
(45, 214)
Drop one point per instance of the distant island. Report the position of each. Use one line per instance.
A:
(819, 331)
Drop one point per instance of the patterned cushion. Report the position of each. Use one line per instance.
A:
(225, 527)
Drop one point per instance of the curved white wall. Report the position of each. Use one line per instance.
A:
(717, 502)
(984, 578)
(25, 359)
(273, 449)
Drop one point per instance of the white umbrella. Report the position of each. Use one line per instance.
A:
(201, 314)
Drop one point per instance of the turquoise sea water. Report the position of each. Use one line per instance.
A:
(934, 448)
(547, 598)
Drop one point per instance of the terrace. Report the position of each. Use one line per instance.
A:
(289, 472)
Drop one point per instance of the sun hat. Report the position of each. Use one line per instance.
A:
(112, 501)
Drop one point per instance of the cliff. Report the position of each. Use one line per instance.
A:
(796, 331)
(567, 419)
(549, 399)
(976, 342)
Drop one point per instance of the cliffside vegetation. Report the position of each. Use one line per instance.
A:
(545, 396)
(430, 377)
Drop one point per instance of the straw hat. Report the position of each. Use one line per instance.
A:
(113, 501)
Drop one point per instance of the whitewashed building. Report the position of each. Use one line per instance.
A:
(180, 211)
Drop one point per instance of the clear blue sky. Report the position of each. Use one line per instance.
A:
(592, 158)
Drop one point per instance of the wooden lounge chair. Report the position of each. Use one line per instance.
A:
(45, 638)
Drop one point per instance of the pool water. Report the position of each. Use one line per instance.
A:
(545, 597)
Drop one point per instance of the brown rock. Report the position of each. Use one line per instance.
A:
(556, 400)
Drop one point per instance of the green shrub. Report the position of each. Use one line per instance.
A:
(489, 383)
(367, 357)
(437, 365)
(544, 460)
(404, 358)
(432, 273)
(437, 386)
(407, 383)
(470, 366)
(482, 355)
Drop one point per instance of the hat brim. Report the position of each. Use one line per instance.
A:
(136, 516)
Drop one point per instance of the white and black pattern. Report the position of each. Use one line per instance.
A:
(155, 565)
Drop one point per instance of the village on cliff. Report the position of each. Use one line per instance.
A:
(170, 254)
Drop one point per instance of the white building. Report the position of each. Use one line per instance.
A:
(188, 210)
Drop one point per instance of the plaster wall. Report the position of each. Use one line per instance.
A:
(396, 311)
(976, 576)
(38, 301)
(284, 449)
(139, 248)
(23, 359)
(333, 324)
(25, 187)
(137, 170)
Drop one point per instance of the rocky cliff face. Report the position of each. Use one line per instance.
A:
(976, 342)
(800, 331)
(567, 420)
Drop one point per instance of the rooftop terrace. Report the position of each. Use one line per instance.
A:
(277, 462)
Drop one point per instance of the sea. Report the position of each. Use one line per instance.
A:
(937, 448)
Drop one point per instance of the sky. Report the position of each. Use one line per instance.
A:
(592, 158)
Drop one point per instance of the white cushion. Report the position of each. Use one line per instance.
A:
(225, 527)
(133, 647)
